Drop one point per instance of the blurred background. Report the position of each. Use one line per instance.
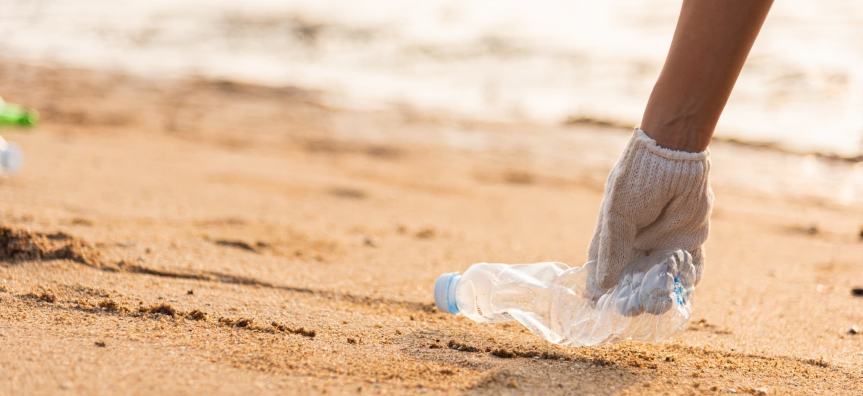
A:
(543, 62)
(549, 61)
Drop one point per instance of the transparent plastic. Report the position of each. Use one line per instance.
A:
(651, 302)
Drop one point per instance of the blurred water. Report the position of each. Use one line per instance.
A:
(541, 60)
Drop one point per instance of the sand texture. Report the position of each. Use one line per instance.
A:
(211, 237)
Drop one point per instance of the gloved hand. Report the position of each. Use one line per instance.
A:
(655, 199)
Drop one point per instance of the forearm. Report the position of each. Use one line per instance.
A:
(709, 48)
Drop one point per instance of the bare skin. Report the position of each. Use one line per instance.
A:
(710, 46)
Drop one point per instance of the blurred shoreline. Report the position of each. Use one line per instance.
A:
(800, 91)
(582, 149)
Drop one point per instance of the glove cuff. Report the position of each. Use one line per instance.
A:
(641, 139)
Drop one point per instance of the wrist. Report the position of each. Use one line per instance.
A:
(680, 136)
(641, 141)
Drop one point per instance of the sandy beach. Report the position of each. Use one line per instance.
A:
(213, 237)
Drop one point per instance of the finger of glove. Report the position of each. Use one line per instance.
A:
(593, 249)
(614, 249)
(698, 261)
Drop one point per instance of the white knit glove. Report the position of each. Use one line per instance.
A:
(655, 199)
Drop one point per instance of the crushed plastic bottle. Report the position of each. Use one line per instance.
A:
(651, 301)
(10, 157)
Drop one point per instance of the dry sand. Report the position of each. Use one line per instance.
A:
(201, 237)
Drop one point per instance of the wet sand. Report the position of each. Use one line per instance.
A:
(209, 237)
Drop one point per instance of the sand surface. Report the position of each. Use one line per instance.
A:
(207, 237)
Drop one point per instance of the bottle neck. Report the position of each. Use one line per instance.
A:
(451, 301)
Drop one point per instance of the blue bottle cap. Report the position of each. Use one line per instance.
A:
(444, 292)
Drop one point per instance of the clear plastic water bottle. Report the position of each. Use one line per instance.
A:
(10, 157)
(651, 301)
